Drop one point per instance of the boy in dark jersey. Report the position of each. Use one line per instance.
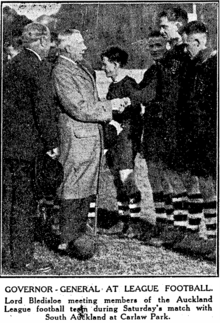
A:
(121, 155)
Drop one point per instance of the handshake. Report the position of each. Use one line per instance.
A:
(120, 104)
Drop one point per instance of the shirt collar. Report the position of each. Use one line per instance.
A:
(202, 56)
(120, 76)
(68, 59)
(31, 50)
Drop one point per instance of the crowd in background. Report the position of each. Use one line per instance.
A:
(56, 132)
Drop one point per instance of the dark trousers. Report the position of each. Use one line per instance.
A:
(73, 218)
(19, 209)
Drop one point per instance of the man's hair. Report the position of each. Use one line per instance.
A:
(195, 27)
(175, 14)
(64, 37)
(34, 31)
(116, 54)
(44, 19)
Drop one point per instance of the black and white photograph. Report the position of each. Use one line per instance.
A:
(109, 143)
(109, 161)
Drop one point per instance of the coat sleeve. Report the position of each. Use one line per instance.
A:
(46, 113)
(76, 100)
(203, 105)
(146, 89)
(44, 108)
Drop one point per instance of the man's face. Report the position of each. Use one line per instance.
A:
(110, 68)
(168, 29)
(157, 47)
(76, 47)
(44, 45)
(184, 39)
(53, 52)
(192, 45)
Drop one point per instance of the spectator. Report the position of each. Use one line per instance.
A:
(121, 154)
(12, 48)
(81, 144)
(29, 130)
(12, 33)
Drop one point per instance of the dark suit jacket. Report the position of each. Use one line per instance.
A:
(29, 112)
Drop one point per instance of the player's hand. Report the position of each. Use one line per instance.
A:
(126, 102)
(120, 104)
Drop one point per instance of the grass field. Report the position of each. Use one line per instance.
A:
(123, 257)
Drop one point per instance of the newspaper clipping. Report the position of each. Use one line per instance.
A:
(109, 161)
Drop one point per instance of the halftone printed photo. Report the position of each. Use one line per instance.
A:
(109, 139)
(109, 151)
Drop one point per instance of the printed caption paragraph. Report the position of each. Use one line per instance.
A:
(107, 302)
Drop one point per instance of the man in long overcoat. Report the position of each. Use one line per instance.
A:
(29, 130)
(80, 126)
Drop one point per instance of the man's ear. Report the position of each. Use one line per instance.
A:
(117, 65)
(67, 48)
(179, 25)
(43, 41)
(197, 41)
